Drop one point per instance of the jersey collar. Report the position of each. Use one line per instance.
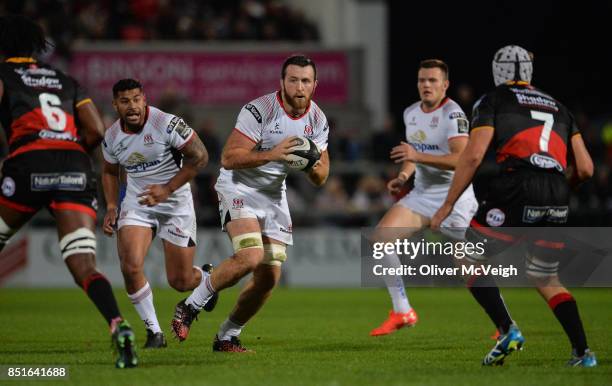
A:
(442, 103)
(20, 59)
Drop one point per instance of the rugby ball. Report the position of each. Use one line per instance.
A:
(303, 155)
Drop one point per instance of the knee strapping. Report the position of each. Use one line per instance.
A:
(274, 254)
(246, 241)
(6, 232)
(541, 268)
(82, 240)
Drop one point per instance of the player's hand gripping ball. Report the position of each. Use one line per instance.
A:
(303, 155)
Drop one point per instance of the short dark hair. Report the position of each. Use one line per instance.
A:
(298, 60)
(124, 85)
(20, 36)
(435, 63)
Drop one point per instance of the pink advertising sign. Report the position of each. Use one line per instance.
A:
(206, 77)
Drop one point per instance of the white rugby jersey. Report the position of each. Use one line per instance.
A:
(265, 122)
(429, 133)
(152, 156)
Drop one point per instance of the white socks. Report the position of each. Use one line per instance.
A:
(143, 302)
(395, 285)
(202, 293)
(229, 329)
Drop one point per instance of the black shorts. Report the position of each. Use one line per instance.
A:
(519, 200)
(55, 179)
(525, 198)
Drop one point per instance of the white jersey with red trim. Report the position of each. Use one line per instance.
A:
(265, 122)
(429, 133)
(151, 156)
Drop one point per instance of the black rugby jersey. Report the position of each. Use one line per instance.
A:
(38, 107)
(532, 129)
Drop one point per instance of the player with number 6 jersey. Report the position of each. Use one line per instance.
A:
(51, 125)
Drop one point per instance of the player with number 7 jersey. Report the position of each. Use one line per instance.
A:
(530, 132)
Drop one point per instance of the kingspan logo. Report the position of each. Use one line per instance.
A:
(136, 162)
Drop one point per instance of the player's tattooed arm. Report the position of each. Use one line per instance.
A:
(195, 157)
(320, 170)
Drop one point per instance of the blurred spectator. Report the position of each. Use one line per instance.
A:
(383, 141)
(344, 143)
(333, 198)
(465, 98)
(208, 134)
(69, 21)
(371, 195)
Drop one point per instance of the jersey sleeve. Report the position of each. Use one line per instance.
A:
(483, 113)
(107, 152)
(178, 132)
(250, 122)
(458, 124)
(322, 134)
(81, 96)
(573, 128)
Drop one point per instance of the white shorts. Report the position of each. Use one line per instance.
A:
(177, 226)
(426, 203)
(238, 201)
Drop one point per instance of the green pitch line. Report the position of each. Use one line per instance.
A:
(308, 337)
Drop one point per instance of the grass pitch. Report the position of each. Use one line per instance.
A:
(307, 337)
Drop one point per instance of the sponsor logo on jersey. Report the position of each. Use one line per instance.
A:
(142, 167)
(135, 159)
(37, 78)
(183, 129)
(308, 131)
(136, 163)
(74, 182)
(254, 111)
(237, 203)
(463, 126)
(557, 214)
(417, 140)
(172, 124)
(8, 186)
(63, 136)
(423, 147)
(418, 136)
(545, 162)
(457, 115)
(289, 229)
(148, 139)
(537, 101)
(495, 217)
(120, 148)
(276, 130)
(434, 122)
